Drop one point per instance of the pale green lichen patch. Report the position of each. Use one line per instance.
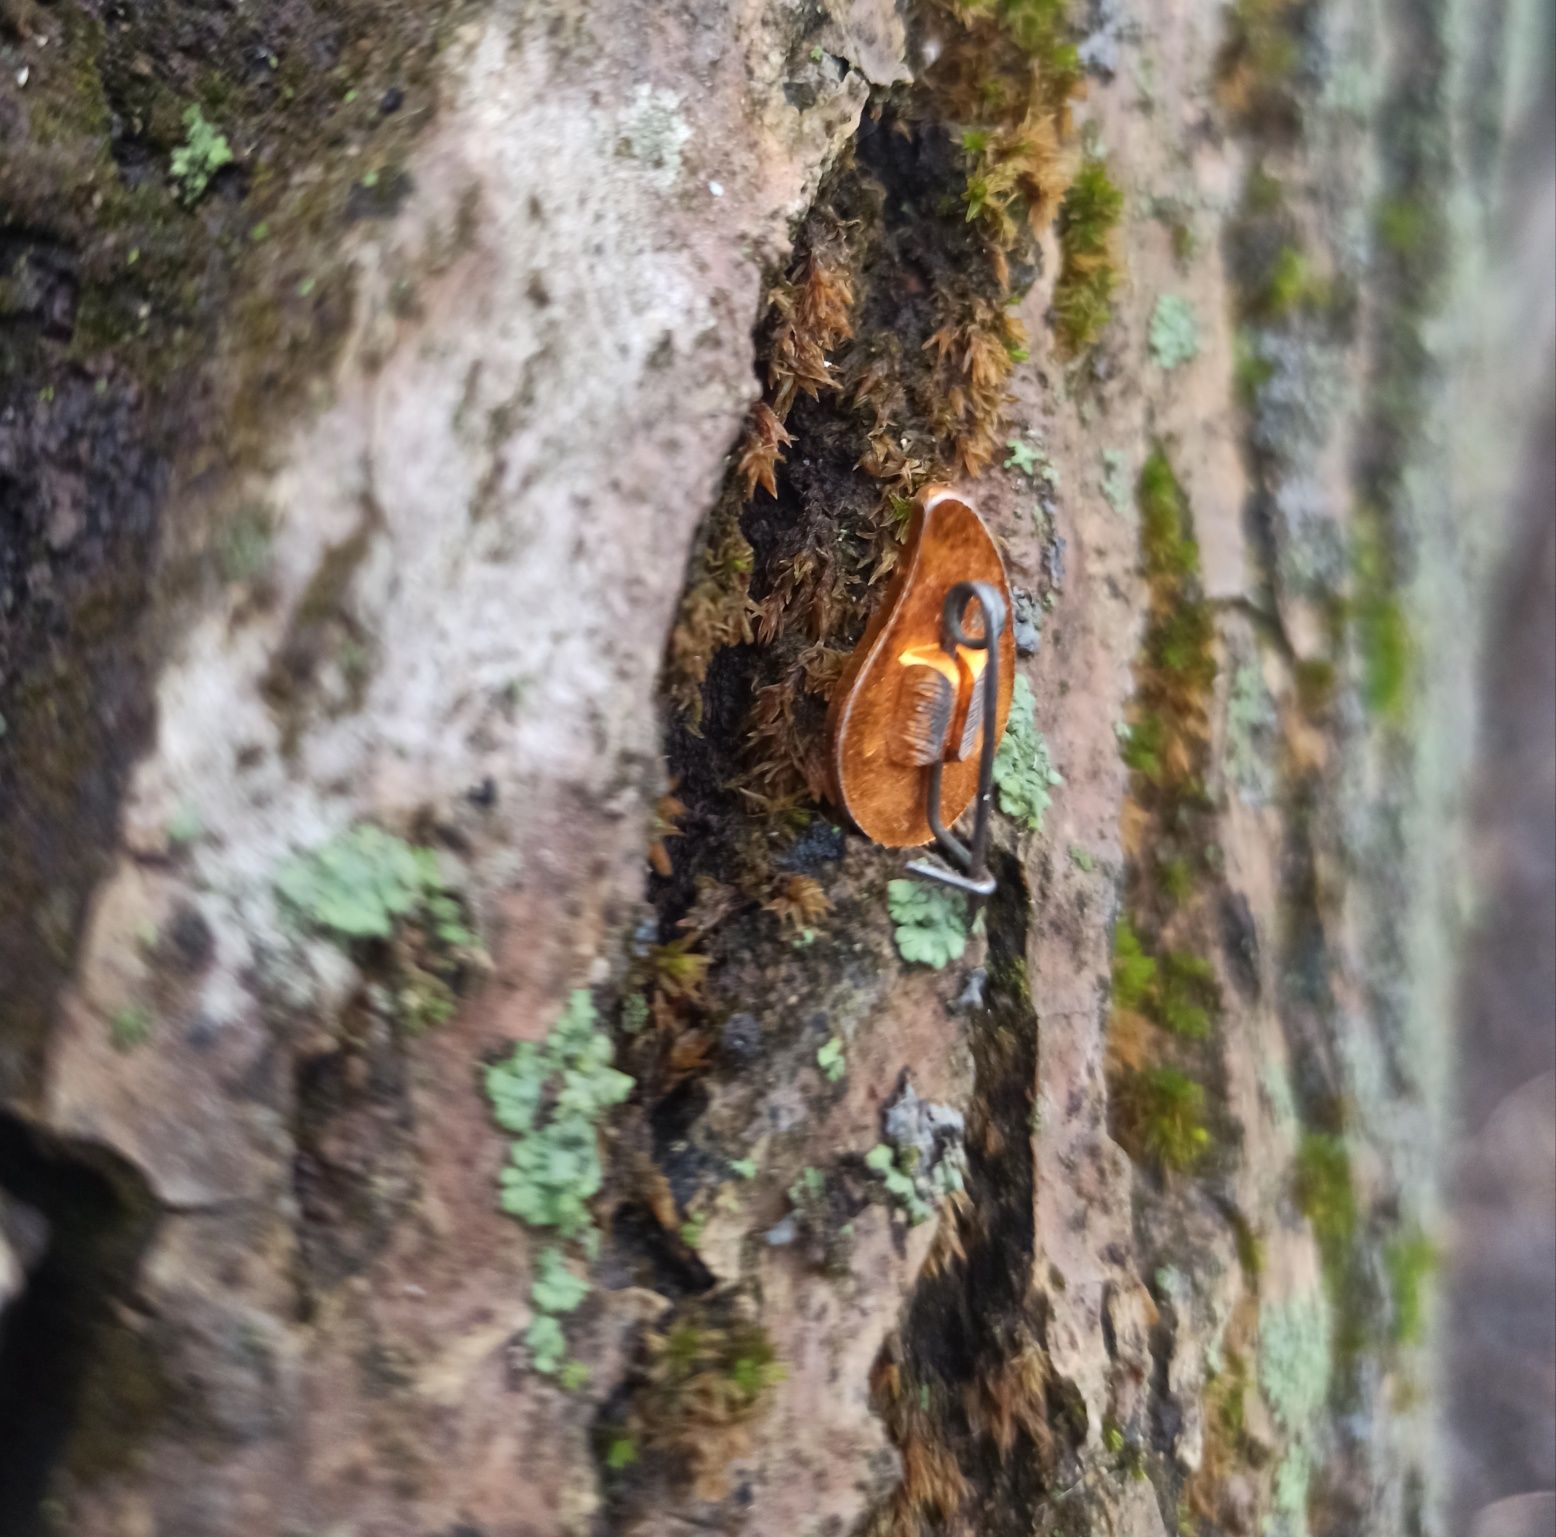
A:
(1296, 1365)
(1251, 730)
(386, 902)
(1174, 332)
(551, 1097)
(1117, 489)
(364, 882)
(832, 1061)
(922, 1160)
(1296, 1349)
(654, 132)
(929, 923)
(882, 1161)
(203, 153)
(1023, 767)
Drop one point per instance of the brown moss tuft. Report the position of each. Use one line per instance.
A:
(811, 317)
(762, 451)
(799, 902)
(974, 357)
(715, 612)
(933, 1489)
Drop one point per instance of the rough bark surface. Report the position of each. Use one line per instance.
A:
(502, 451)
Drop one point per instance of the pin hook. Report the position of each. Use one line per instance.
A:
(971, 874)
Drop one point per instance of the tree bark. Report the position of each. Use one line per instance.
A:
(431, 530)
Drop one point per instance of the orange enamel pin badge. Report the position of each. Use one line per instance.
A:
(922, 702)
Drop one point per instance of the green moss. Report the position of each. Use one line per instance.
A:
(1178, 990)
(1169, 741)
(1181, 642)
(1291, 285)
(1315, 680)
(1251, 369)
(1167, 547)
(1190, 995)
(129, 1027)
(1134, 971)
(1177, 878)
(1327, 1197)
(1041, 29)
(709, 1369)
(1410, 1261)
(1161, 1116)
(1381, 633)
(1250, 1254)
(1088, 275)
(1414, 233)
(1141, 749)
(1260, 59)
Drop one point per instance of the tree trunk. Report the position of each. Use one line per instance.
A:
(446, 456)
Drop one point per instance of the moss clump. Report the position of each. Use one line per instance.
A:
(1177, 879)
(129, 1027)
(1161, 1117)
(1168, 743)
(710, 1368)
(1178, 991)
(1190, 995)
(1134, 970)
(1083, 296)
(1410, 1261)
(1381, 633)
(1413, 232)
(1290, 286)
(1261, 60)
(1327, 1197)
(1042, 29)
(1168, 551)
(1012, 171)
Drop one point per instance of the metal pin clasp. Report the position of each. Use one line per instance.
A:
(976, 707)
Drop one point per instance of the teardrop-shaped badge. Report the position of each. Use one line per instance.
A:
(923, 700)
